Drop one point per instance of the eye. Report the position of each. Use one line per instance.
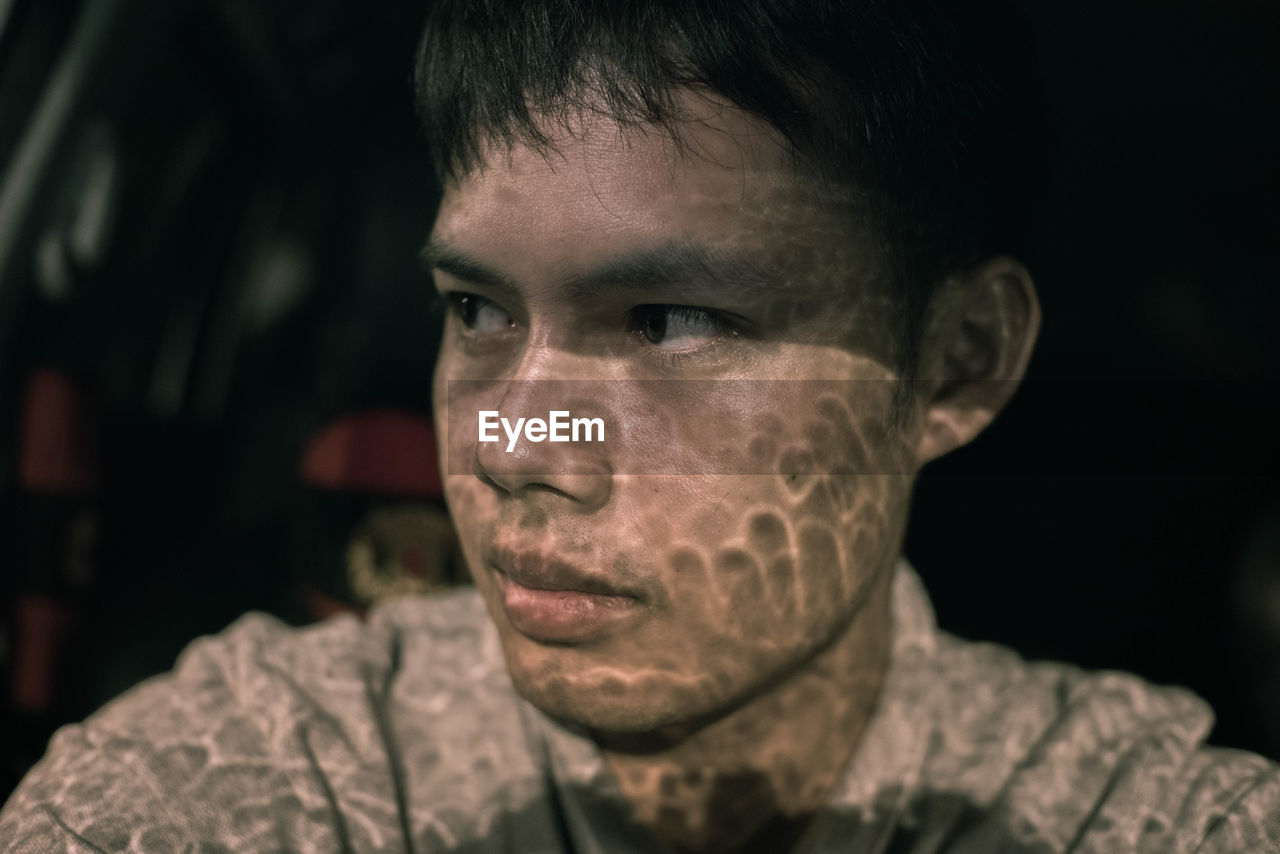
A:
(677, 327)
(481, 316)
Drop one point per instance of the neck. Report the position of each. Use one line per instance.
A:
(752, 779)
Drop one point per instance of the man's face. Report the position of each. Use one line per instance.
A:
(687, 287)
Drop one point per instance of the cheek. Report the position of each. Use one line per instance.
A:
(786, 575)
(470, 506)
(785, 559)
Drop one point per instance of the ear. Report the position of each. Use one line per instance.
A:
(979, 333)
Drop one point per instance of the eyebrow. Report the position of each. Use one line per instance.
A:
(680, 263)
(439, 255)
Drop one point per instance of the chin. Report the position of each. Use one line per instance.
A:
(620, 717)
(603, 703)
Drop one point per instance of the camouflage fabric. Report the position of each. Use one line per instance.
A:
(403, 734)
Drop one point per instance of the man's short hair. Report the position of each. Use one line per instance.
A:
(924, 106)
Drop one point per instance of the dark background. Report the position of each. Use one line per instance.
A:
(255, 276)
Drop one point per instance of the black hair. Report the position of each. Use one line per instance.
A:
(924, 105)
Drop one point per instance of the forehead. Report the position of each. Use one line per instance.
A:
(725, 180)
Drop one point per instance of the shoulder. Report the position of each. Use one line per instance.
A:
(1072, 760)
(247, 734)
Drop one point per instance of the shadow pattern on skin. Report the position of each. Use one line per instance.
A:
(767, 598)
(730, 697)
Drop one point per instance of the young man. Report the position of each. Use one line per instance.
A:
(760, 245)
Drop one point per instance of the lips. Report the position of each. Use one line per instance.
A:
(552, 601)
(539, 571)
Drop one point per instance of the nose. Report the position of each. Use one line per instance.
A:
(532, 466)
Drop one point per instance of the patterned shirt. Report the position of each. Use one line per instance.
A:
(404, 734)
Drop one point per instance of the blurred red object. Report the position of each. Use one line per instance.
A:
(377, 451)
(57, 441)
(43, 623)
